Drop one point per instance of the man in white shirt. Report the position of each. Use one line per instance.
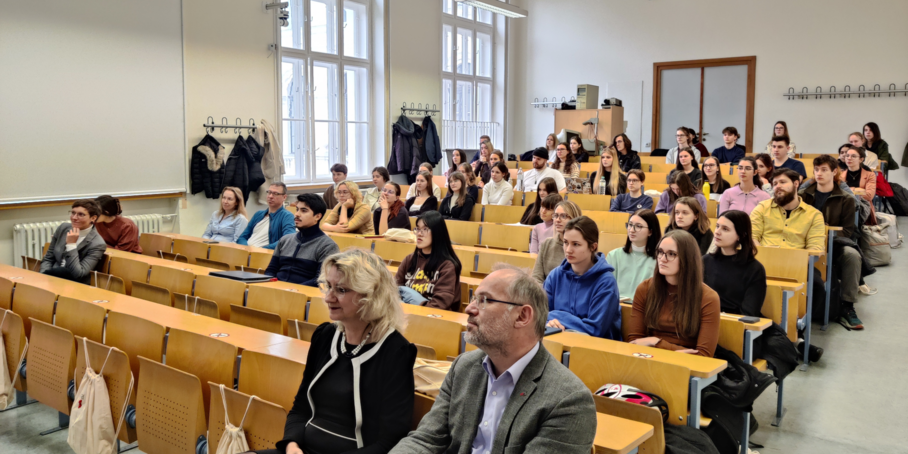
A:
(541, 170)
(267, 227)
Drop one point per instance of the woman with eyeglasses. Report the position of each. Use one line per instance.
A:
(458, 204)
(680, 186)
(498, 191)
(780, 129)
(687, 164)
(634, 199)
(872, 161)
(545, 229)
(350, 215)
(357, 389)
(858, 176)
(391, 214)
(423, 201)
(551, 252)
(76, 247)
(713, 177)
(635, 262)
(745, 195)
(687, 215)
(675, 310)
(582, 291)
(565, 162)
(532, 214)
(433, 269)
(118, 232)
(685, 140)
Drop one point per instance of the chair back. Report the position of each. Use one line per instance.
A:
(222, 291)
(207, 358)
(170, 411)
(6, 293)
(286, 304)
(442, 335)
(190, 249)
(591, 202)
(152, 293)
(503, 214)
(151, 243)
(318, 312)
(213, 264)
(270, 377)
(299, 329)
(465, 233)
(82, 318)
(108, 282)
(508, 237)
(172, 279)
(13, 331)
(51, 361)
(639, 413)
(486, 260)
(33, 302)
(130, 271)
(232, 256)
(259, 260)
(392, 250)
(196, 305)
(263, 422)
(136, 337)
(256, 318)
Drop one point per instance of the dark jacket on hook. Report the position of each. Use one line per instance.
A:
(403, 146)
(433, 145)
(237, 174)
(256, 176)
(207, 167)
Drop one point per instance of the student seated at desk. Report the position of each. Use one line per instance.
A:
(229, 221)
(680, 186)
(423, 201)
(338, 174)
(540, 171)
(350, 215)
(635, 262)
(498, 191)
(582, 291)
(357, 389)
(627, 158)
(551, 252)
(609, 179)
(713, 177)
(580, 154)
(380, 177)
(76, 247)
(857, 175)
(687, 215)
(565, 163)
(780, 129)
(457, 204)
(510, 395)
(436, 191)
(391, 214)
(433, 269)
(298, 256)
(877, 145)
(730, 152)
(674, 309)
(872, 161)
(765, 170)
(268, 226)
(687, 164)
(458, 157)
(634, 199)
(118, 232)
(546, 228)
(482, 167)
(531, 215)
(472, 187)
(685, 140)
(780, 158)
(745, 195)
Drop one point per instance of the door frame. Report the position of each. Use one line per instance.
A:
(751, 63)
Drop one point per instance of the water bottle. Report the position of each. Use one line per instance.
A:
(519, 178)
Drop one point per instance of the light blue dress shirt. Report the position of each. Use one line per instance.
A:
(225, 230)
(498, 393)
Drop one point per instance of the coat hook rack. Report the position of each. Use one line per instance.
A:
(224, 126)
(862, 92)
(419, 110)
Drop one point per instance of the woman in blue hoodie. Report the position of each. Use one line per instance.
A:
(583, 293)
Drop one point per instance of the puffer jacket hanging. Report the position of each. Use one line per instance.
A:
(403, 146)
(432, 144)
(237, 174)
(207, 167)
(256, 176)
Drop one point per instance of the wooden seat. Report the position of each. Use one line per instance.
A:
(82, 318)
(318, 312)
(787, 264)
(476, 214)
(191, 249)
(207, 358)
(172, 279)
(517, 199)
(639, 413)
(31, 264)
(506, 237)
(222, 291)
(347, 242)
(13, 331)
(232, 256)
(151, 243)
(263, 424)
(591, 202)
(422, 404)
(463, 232)
(503, 214)
(51, 364)
(442, 335)
(259, 260)
(555, 348)
(257, 318)
(425, 352)
(129, 271)
(287, 305)
(213, 264)
(299, 329)
(596, 368)
(196, 305)
(173, 257)
(33, 302)
(6, 293)
(467, 261)
(486, 260)
(392, 250)
(152, 293)
(611, 241)
(108, 282)
(170, 410)
(117, 375)
(270, 377)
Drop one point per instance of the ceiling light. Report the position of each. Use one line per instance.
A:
(496, 6)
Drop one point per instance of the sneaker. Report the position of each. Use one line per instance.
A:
(868, 290)
(851, 321)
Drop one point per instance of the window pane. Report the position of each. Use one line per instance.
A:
(483, 102)
(356, 83)
(483, 55)
(326, 144)
(464, 51)
(292, 35)
(357, 148)
(293, 82)
(324, 26)
(356, 30)
(465, 11)
(295, 155)
(324, 91)
(447, 99)
(447, 48)
(448, 6)
(464, 101)
(484, 16)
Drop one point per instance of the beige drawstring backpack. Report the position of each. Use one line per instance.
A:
(233, 440)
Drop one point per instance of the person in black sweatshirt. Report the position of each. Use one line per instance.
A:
(298, 256)
(733, 270)
(457, 204)
(687, 214)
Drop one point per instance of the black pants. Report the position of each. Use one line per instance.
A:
(62, 273)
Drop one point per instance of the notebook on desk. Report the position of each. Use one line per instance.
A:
(242, 276)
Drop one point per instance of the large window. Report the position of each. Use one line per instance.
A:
(325, 95)
(467, 75)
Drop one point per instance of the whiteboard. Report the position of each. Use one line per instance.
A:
(91, 99)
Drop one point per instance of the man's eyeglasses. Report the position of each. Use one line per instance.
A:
(483, 301)
(633, 180)
(668, 255)
(276, 194)
(635, 227)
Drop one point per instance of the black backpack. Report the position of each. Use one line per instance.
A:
(899, 201)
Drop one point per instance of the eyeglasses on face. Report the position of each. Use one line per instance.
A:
(327, 288)
(635, 227)
(633, 180)
(668, 255)
(421, 230)
(78, 214)
(708, 166)
(560, 216)
(483, 301)
(276, 194)
(341, 192)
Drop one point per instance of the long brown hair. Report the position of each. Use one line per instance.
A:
(702, 222)
(462, 192)
(467, 170)
(685, 187)
(240, 204)
(766, 160)
(688, 300)
(721, 185)
(568, 159)
(428, 178)
(615, 176)
(550, 188)
(394, 208)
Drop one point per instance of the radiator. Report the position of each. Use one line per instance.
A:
(29, 239)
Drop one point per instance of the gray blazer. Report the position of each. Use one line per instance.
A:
(550, 411)
(79, 262)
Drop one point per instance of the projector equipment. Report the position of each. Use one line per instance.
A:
(608, 102)
(587, 96)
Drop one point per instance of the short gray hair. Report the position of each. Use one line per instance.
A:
(526, 290)
(281, 184)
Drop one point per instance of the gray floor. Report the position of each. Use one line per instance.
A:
(852, 401)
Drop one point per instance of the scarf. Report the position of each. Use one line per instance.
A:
(394, 209)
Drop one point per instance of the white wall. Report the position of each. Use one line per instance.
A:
(806, 43)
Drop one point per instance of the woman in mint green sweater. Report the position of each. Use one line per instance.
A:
(635, 262)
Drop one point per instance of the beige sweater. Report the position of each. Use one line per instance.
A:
(551, 254)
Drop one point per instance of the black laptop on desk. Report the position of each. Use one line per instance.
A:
(242, 276)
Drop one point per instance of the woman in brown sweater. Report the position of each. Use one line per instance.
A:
(433, 269)
(675, 310)
(350, 215)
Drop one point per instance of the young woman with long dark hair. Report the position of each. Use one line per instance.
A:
(712, 174)
(876, 144)
(765, 169)
(498, 191)
(635, 262)
(433, 269)
(687, 163)
(687, 215)
(580, 154)
(424, 200)
(733, 270)
(545, 229)
(531, 214)
(458, 157)
(627, 158)
(472, 186)
(679, 186)
(457, 204)
(565, 162)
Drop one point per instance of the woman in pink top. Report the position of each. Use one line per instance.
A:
(545, 229)
(748, 193)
